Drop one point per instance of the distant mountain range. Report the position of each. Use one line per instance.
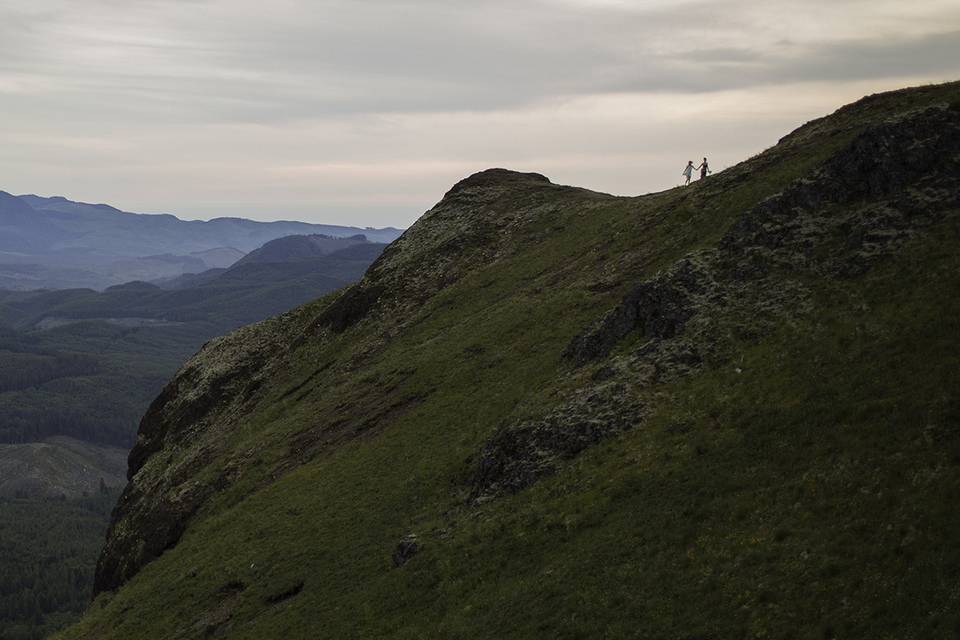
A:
(343, 258)
(297, 248)
(55, 243)
(265, 282)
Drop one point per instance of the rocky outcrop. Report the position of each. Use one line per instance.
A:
(207, 395)
(519, 455)
(658, 308)
(406, 549)
(892, 182)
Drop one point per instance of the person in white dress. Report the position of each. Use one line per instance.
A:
(688, 172)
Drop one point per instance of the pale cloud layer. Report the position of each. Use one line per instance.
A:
(366, 111)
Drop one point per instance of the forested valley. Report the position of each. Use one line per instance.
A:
(48, 549)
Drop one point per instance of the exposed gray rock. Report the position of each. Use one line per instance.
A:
(658, 308)
(519, 455)
(406, 549)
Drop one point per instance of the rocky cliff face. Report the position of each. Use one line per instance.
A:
(583, 410)
(180, 433)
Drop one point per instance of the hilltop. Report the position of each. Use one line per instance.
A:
(728, 410)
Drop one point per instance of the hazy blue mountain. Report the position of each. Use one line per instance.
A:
(22, 231)
(295, 248)
(58, 243)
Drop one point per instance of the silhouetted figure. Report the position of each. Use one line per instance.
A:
(688, 172)
(704, 169)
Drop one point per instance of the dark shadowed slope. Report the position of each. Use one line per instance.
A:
(724, 411)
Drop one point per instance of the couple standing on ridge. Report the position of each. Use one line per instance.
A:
(689, 169)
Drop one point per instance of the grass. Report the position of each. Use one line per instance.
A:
(804, 497)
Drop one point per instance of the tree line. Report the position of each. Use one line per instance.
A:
(25, 370)
(48, 552)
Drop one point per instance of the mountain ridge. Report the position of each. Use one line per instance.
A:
(300, 247)
(550, 412)
(59, 243)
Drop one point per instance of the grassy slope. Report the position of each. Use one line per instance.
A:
(749, 505)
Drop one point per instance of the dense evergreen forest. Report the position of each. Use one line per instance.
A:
(48, 550)
(87, 380)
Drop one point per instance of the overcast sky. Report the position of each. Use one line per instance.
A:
(366, 111)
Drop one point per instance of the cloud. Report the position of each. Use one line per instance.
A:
(186, 94)
(232, 60)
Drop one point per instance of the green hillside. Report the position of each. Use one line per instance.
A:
(722, 411)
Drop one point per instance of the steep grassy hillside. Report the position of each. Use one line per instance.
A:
(722, 411)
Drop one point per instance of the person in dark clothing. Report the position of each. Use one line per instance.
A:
(704, 169)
